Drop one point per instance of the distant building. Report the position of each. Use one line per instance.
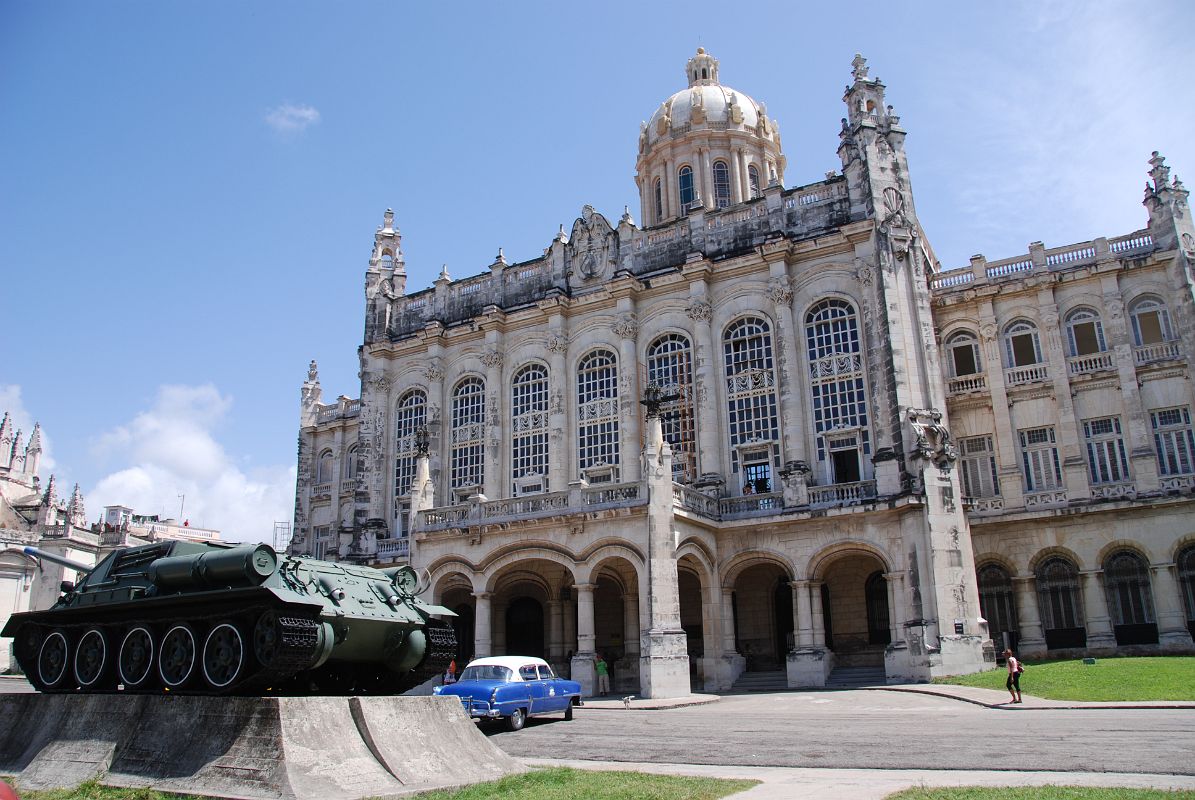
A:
(765, 432)
(151, 527)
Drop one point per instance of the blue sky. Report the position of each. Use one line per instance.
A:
(188, 190)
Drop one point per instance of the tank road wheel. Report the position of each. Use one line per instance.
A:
(223, 655)
(267, 638)
(177, 656)
(53, 663)
(135, 662)
(93, 661)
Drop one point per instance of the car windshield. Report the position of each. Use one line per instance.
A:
(485, 672)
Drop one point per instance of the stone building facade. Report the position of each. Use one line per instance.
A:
(740, 438)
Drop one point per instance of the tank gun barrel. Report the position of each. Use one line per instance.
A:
(246, 564)
(57, 559)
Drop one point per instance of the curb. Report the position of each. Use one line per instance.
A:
(1004, 706)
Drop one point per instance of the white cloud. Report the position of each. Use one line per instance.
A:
(22, 420)
(171, 450)
(292, 117)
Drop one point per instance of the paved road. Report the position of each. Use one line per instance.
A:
(870, 730)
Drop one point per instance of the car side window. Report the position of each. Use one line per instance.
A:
(528, 672)
(545, 672)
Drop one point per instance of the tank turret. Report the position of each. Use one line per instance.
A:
(204, 618)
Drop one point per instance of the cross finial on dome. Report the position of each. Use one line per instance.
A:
(859, 67)
(701, 69)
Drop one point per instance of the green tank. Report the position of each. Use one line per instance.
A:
(217, 619)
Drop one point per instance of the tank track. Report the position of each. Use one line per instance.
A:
(441, 650)
(296, 650)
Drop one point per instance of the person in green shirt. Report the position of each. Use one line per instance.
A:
(603, 676)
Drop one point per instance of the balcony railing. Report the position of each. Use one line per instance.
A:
(1162, 351)
(1019, 376)
(321, 489)
(1094, 362)
(394, 548)
(842, 493)
(1176, 483)
(693, 500)
(1114, 491)
(750, 504)
(983, 505)
(968, 383)
(1047, 499)
(349, 486)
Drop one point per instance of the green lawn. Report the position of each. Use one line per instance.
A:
(1039, 793)
(557, 783)
(1108, 679)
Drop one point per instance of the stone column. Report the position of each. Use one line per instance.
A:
(435, 425)
(499, 626)
(706, 183)
(495, 480)
(555, 632)
(559, 440)
(1172, 618)
(1007, 445)
(819, 618)
(744, 175)
(736, 181)
(728, 645)
(1031, 641)
(583, 660)
(482, 646)
(894, 623)
(627, 328)
(671, 198)
(705, 384)
(630, 625)
(1095, 608)
(804, 614)
(568, 610)
(792, 422)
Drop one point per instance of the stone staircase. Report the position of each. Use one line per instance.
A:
(846, 677)
(770, 681)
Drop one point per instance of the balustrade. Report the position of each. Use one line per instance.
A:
(968, 383)
(1035, 373)
(842, 493)
(1162, 351)
(1095, 362)
(1051, 498)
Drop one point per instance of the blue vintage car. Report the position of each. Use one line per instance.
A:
(513, 688)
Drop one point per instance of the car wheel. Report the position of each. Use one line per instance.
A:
(568, 711)
(516, 720)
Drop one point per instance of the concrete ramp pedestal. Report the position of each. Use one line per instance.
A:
(247, 747)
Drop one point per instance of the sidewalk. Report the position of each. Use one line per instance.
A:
(785, 783)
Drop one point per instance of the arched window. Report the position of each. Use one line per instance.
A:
(1186, 582)
(1084, 332)
(1151, 322)
(670, 366)
(410, 416)
(685, 183)
(323, 471)
(876, 593)
(839, 396)
(997, 606)
(751, 402)
(1058, 603)
(468, 434)
(597, 416)
(658, 191)
(964, 354)
(348, 471)
(1022, 346)
(1130, 601)
(721, 184)
(529, 429)
(753, 180)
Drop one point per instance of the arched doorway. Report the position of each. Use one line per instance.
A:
(997, 605)
(525, 627)
(616, 623)
(855, 609)
(763, 608)
(1130, 601)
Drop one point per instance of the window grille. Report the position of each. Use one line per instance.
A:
(721, 184)
(996, 601)
(529, 426)
(468, 434)
(836, 382)
(597, 411)
(1126, 583)
(1106, 458)
(685, 183)
(659, 198)
(1058, 594)
(753, 180)
(1186, 581)
(410, 416)
(1039, 459)
(750, 384)
(670, 366)
(1174, 440)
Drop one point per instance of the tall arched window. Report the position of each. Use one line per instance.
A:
(839, 395)
(685, 184)
(670, 366)
(348, 471)
(597, 416)
(1186, 582)
(721, 184)
(1058, 603)
(751, 402)
(529, 429)
(1022, 346)
(1084, 332)
(1151, 322)
(997, 606)
(753, 180)
(410, 416)
(468, 434)
(323, 470)
(964, 354)
(1130, 601)
(658, 193)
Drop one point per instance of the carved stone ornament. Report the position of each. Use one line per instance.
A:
(380, 384)
(557, 343)
(780, 292)
(700, 311)
(1188, 241)
(988, 332)
(627, 326)
(933, 440)
(434, 373)
(865, 274)
(491, 358)
(1114, 306)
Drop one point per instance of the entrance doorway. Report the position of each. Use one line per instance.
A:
(855, 605)
(525, 627)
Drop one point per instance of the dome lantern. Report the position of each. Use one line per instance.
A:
(702, 69)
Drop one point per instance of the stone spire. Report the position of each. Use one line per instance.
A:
(33, 451)
(310, 396)
(5, 441)
(75, 511)
(387, 253)
(1166, 202)
(16, 453)
(51, 495)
